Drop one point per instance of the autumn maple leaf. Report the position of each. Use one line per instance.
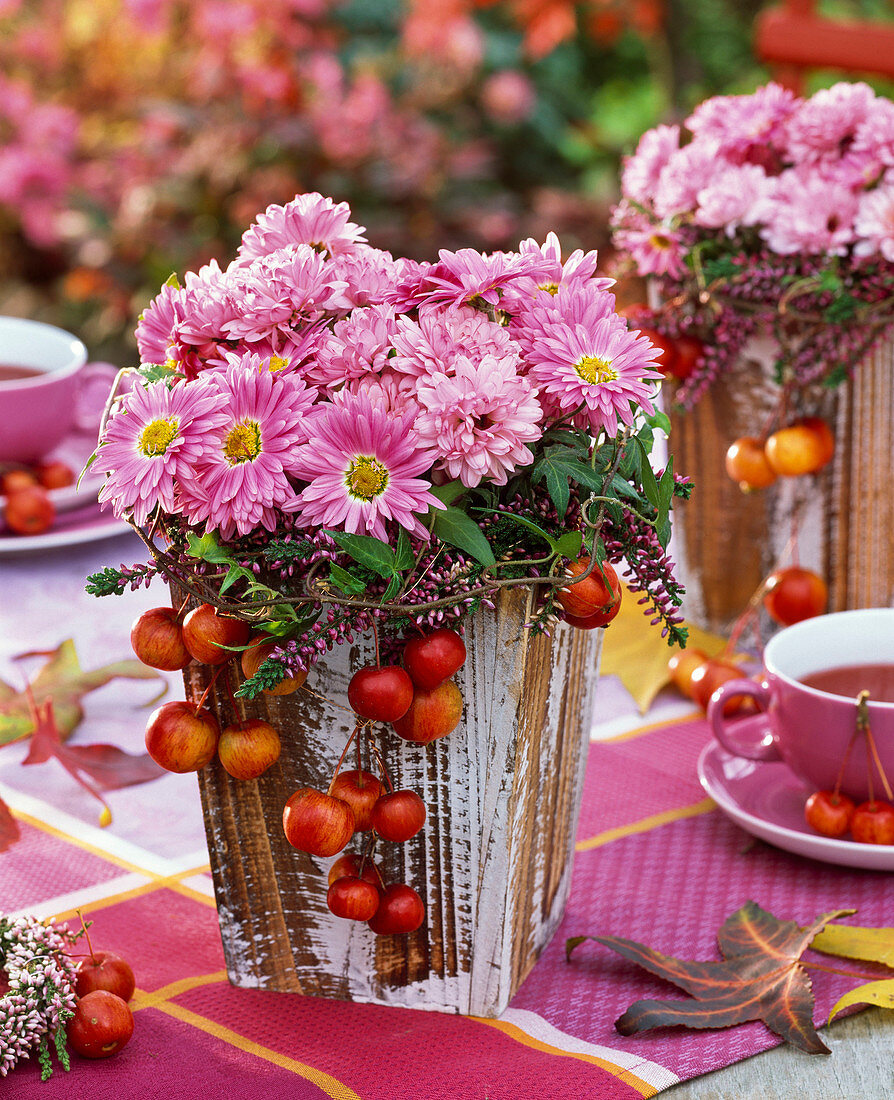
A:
(761, 978)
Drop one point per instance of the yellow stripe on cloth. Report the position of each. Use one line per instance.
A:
(643, 826)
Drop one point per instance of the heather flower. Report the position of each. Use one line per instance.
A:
(240, 478)
(158, 434)
(874, 224)
(479, 418)
(361, 463)
(308, 219)
(639, 179)
(601, 365)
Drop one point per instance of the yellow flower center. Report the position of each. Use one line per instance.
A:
(277, 363)
(366, 477)
(595, 370)
(658, 241)
(158, 435)
(552, 288)
(243, 442)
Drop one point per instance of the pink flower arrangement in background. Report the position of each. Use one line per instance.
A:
(757, 196)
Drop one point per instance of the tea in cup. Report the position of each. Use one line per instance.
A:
(43, 372)
(813, 673)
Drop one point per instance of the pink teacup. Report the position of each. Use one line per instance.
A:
(43, 373)
(808, 728)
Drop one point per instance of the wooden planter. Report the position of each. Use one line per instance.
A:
(725, 541)
(492, 864)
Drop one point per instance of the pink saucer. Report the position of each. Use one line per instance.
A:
(767, 800)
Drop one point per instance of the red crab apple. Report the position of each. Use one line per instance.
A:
(399, 815)
(54, 475)
(707, 677)
(29, 511)
(746, 463)
(434, 657)
(105, 970)
(432, 714)
(316, 822)
(380, 693)
(361, 790)
(247, 749)
(157, 640)
(101, 1026)
(681, 667)
(801, 448)
(793, 594)
(829, 812)
(595, 594)
(353, 898)
(181, 738)
(207, 635)
(689, 350)
(348, 865)
(873, 822)
(400, 910)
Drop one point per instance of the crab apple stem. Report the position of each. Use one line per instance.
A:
(375, 627)
(240, 714)
(374, 749)
(344, 753)
(749, 614)
(207, 690)
(870, 741)
(181, 609)
(359, 761)
(847, 752)
(86, 936)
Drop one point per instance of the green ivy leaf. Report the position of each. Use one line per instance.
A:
(569, 544)
(207, 548)
(660, 422)
(369, 551)
(453, 526)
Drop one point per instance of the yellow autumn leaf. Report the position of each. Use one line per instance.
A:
(634, 651)
(869, 944)
(873, 993)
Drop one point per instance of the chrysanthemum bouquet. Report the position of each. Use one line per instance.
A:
(768, 213)
(321, 437)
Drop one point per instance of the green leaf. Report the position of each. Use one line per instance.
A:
(453, 526)
(159, 372)
(569, 544)
(659, 421)
(449, 492)
(346, 581)
(558, 488)
(371, 552)
(523, 521)
(207, 548)
(405, 557)
(647, 476)
(392, 589)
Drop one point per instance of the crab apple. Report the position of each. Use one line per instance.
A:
(706, 678)
(361, 790)
(792, 594)
(667, 360)
(105, 970)
(102, 1024)
(157, 640)
(29, 511)
(348, 865)
(746, 463)
(207, 635)
(599, 618)
(829, 812)
(15, 480)
(316, 822)
(681, 666)
(247, 749)
(688, 351)
(801, 448)
(594, 594)
(432, 714)
(399, 815)
(180, 737)
(260, 646)
(873, 822)
(400, 910)
(54, 475)
(434, 657)
(353, 898)
(380, 693)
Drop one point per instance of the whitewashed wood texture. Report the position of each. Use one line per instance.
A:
(492, 863)
(725, 541)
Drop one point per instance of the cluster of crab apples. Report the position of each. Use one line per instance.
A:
(803, 447)
(417, 698)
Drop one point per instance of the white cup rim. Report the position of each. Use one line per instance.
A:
(71, 351)
(872, 619)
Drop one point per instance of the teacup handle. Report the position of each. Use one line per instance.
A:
(87, 418)
(753, 738)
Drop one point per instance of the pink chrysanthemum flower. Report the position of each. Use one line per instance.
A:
(474, 278)
(639, 179)
(805, 213)
(603, 364)
(874, 137)
(432, 343)
(825, 125)
(361, 463)
(479, 418)
(370, 274)
(395, 393)
(732, 198)
(283, 291)
(157, 436)
(156, 325)
(874, 225)
(308, 219)
(359, 345)
(685, 174)
(241, 476)
(655, 249)
(580, 267)
(743, 125)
